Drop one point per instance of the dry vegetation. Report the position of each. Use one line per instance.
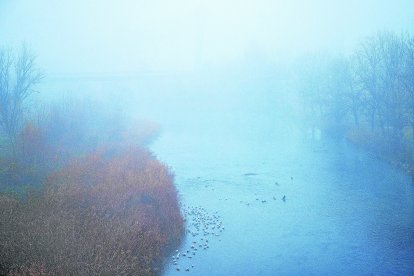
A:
(80, 194)
(112, 214)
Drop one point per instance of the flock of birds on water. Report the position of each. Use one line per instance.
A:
(200, 227)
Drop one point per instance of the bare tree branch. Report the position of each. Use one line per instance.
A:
(18, 76)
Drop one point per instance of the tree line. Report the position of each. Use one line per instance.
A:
(366, 95)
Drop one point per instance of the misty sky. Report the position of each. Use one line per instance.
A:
(160, 35)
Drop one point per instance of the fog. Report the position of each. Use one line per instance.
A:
(175, 36)
(288, 126)
(188, 53)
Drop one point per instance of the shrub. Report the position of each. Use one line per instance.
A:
(106, 213)
(62, 132)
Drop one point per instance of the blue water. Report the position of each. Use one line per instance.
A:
(228, 142)
(345, 212)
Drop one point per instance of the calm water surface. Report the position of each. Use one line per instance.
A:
(345, 212)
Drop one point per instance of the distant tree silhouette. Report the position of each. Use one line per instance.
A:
(18, 76)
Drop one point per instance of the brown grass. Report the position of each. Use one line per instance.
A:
(112, 214)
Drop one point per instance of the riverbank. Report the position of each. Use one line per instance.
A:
(100, 214)
(81, 195)
(398, 154)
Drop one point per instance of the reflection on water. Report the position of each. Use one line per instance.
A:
(292, 206)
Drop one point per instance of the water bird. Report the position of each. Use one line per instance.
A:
(250, 174)
(284, 198)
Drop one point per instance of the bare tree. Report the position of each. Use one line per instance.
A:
(344, 99)
(392, 48)
(379, 67)
(368, 76)
(18, 76)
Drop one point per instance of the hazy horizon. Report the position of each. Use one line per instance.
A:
(182, 36)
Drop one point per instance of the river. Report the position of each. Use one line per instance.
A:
(290, 205)
(236, 154)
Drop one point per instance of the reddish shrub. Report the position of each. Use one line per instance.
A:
(32, 146)
(113, 214)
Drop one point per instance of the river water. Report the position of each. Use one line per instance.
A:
(344, 211)
(235, 157)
